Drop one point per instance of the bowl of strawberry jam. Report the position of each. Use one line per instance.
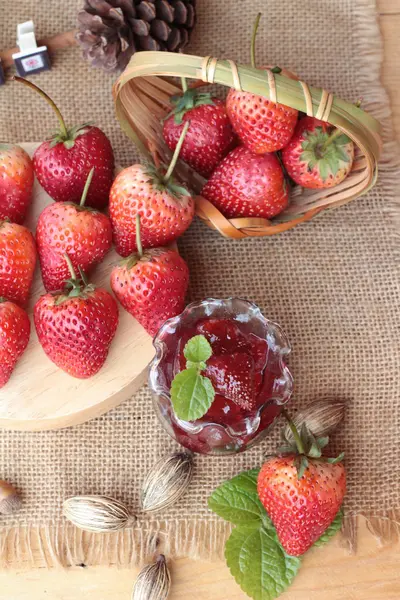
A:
(247, 371)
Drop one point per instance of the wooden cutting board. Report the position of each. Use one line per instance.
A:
(40, 396)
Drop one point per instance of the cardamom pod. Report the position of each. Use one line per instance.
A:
(97, 513)
(321, 417)
(167, 481)
(153, 582)
(10, 500)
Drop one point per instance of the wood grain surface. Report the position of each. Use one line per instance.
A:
(331, 574)
(29, 401)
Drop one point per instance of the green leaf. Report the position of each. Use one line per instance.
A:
(332, 530)
(334, 461)
(191, 395)
(258, 562)
(237, 501)
(197, 349)
(342, 140)
(323, 169)
(200, 366)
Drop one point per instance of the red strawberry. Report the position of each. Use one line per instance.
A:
(262, 125)
(62, 164)
(16, 183)
(76, 329)
(65, 228)
(210, 136)
(17, 262)
(233, 376)
(247, 185)
(14, 336)
(166, 209)
(151, 285)
(301, 509)
(318, 156)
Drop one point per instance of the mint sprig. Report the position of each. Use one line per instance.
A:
(191, 392)
(253, 552)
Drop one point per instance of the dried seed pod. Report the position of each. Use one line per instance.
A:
(321, 417)
(10, 500)
(97, 513)
(153, 582)
(167, 481)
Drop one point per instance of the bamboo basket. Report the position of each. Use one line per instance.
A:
(142, 99)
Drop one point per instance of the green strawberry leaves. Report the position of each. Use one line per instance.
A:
(191, 393)
(325, 151)
(185, 102)
(253, 552)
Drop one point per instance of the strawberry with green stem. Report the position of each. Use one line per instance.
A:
(210, 136)
(15, 330)
(262, 125)
(62, 163)
(77, 230)
(151, 285)
(76, 328)
(301, 490)
(318, 155)
(166, 209)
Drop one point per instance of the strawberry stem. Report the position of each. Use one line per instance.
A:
(293, 429)
(64, 131)
(70, 266)
(253, 41)
(184, 84)
(331, 138)
(176, 153)
(86, 188)
(138, 240)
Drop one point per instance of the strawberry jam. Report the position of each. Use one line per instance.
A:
(246, 369)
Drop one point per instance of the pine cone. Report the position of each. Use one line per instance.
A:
(111, 31)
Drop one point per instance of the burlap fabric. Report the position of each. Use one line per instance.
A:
(333, 285)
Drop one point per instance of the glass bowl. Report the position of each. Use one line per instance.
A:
(213, 436)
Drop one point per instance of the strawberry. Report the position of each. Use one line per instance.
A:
(166, 209)
(210, 136)
(247, 185)
(16, 183)
(17, 262)
(62, 163)
(14, 336)
(302, 491)
(233, 377)
(151, 285)
(262, 125)
(65, 228)
(76, 329)
(318, 155)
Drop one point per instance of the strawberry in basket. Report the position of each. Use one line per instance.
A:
(318, 155)
(248, 185)
(15, 329)
(210, 136)
(262, 125)
(63, 162)
(166, 209)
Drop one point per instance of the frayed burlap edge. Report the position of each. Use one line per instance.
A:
(62, 545)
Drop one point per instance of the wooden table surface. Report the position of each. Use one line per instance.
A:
(329, 574)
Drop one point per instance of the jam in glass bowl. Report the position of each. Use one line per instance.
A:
(247, 369)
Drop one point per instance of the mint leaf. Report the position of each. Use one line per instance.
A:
(197, 349)
(237, 501)
(332, 530)
(191, 395)
(258, 562)
(200, 366)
